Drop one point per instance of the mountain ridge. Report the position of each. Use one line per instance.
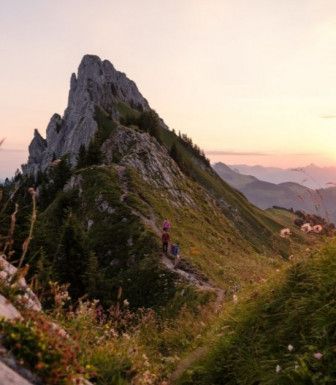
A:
(289, 195)
(311, 176)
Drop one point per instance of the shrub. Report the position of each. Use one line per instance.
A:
(42, 348)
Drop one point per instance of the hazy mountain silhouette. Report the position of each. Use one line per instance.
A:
(311, 176)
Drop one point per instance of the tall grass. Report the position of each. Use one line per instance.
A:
(285, 335)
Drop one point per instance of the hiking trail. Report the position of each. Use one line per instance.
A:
(183, 269)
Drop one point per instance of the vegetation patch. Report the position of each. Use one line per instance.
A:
(284, 335)
(40, 347)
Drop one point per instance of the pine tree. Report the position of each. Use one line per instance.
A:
(72, 258)
(81, 157)
(92, 275)
(61, 173)
(149, 121)
(93, 154)
(174, 152)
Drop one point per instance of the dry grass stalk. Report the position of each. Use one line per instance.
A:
(10, 237)
(26, 242)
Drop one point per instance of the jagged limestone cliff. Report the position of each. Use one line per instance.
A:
(97, 83)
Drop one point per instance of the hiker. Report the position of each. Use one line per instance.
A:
(166, 225)
(175, 250)
(165, 241)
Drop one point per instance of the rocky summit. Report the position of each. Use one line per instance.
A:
(97, 83)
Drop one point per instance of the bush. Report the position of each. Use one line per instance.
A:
(43, 349)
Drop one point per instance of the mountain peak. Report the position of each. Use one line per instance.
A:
(97, 85)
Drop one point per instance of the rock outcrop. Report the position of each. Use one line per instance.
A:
(97, 84)
(8, 310)
(8, 274)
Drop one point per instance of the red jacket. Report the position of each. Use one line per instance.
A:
(165, 237)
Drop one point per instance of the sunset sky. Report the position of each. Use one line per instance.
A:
(251, 81)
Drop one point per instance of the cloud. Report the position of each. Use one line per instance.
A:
(328, 116)
(256, 153)
(235, 153)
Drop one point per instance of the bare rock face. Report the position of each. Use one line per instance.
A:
(7, 273)
(7, 310)
(98, 84)
(142, 152)
(9, 377)
(36, 149)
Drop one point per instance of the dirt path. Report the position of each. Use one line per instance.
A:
(184, 364)
(184, 270)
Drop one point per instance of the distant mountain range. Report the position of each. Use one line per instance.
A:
(287, 194)
(311, 176)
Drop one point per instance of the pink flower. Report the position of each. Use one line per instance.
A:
(318, 355)
(284, 233)
(306, 228)
(317, 229)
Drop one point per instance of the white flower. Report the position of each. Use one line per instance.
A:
(284, 233)
(317, 229)
(290, 347)
(278, 369)
(306, 228)
(125, 302)
(318, 355)
(235, 298)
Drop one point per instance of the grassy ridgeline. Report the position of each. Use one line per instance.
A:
(279, 336)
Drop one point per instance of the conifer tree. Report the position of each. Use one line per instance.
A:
(92, 275)
(81, 157)
(93, 154)
(72, 258)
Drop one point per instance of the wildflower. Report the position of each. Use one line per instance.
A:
(306, 228)
(318, 355)
(284, 233)
(290, 347)
(235, 298)
(291, 257)
(126, 303)
(278, 369)
(317, 229)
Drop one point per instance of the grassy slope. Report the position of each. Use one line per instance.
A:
(253, 224)
(206, 237)
(297, 308)
(127, 252)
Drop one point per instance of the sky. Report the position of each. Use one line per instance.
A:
(251, 81)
